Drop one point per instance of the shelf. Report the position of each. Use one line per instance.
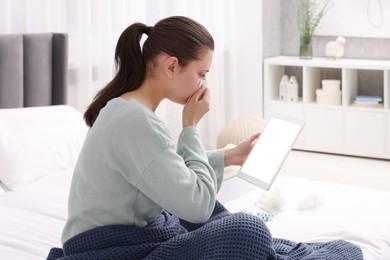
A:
(314, 104)
(353, 75)
(330, 63)
(344, 128)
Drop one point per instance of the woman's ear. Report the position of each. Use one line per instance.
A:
(171, 66)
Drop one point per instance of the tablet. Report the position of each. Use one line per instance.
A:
(270, 150)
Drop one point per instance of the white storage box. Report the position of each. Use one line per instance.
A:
(328, 97)
(331, 85)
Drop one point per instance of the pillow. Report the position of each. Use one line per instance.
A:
(239, 130)
(38, 141)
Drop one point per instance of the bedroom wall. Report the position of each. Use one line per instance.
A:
(281, 37)
(356, 47)
(249, 58)
(272, 24)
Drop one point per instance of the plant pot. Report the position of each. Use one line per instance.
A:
(305, 47)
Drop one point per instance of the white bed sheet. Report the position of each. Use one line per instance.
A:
(2, 188)
(32, 218)
(356, 214)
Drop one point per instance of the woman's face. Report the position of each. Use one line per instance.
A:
(187, 79)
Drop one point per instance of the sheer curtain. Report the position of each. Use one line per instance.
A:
(94, 26)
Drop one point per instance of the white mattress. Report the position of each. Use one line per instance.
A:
(356, 214)
(32, 218)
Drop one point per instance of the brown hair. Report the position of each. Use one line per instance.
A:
(177, 36)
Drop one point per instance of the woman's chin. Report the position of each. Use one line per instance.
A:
(180, 102)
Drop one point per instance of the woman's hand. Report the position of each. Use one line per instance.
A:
(238, 154)
(196, 107)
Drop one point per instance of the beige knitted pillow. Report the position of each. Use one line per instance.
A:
(240, 129)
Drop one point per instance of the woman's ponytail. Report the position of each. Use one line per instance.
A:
(131, 69)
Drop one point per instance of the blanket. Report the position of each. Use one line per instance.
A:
(224, 236)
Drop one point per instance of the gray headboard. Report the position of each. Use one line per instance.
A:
(33, 69)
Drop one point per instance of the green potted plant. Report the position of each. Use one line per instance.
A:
(310, 13)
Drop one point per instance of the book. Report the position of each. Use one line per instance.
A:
(368, 101)
(376, 99)
(367, 104)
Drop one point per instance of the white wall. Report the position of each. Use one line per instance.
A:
(357, 18)
(249, 61)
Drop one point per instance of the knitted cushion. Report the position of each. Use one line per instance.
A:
(240, 129)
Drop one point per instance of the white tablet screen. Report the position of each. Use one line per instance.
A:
(271, 149)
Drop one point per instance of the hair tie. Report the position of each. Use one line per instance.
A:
(148, 30)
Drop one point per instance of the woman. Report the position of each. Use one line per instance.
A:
(134, 195)
(129, 168)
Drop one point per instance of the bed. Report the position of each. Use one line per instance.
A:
(316, 211)
(34, 209)
(39, 146)
(40, 138)
(38, 150)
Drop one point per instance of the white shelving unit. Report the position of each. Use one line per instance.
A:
(341, 129)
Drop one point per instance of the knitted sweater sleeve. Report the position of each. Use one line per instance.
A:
(217, 162)
(181, 181)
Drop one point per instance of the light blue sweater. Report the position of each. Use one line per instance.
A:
(129, 170)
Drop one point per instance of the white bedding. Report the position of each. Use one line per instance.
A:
(2, 188)
(356, 214)
(32, 218)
